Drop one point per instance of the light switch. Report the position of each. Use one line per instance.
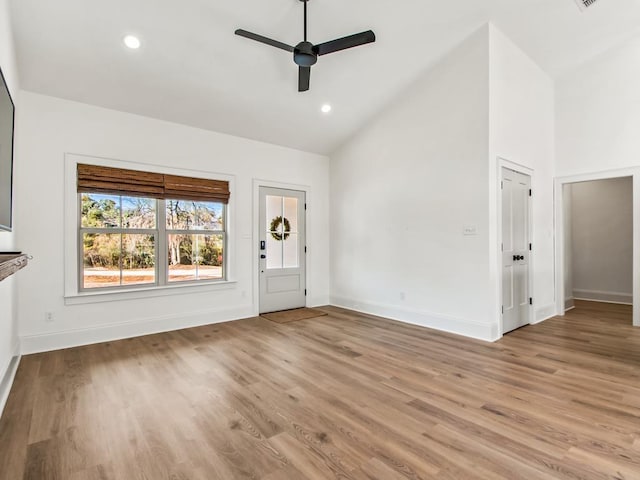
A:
(469, 230)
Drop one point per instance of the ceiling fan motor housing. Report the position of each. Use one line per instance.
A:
(304, 55)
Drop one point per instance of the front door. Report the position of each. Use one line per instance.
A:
(516, 196)
(282, 249)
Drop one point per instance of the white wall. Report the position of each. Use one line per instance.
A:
(597, 114)
(50, 127)
(522, 132)
(602, 239)
(597, 125)
(406, 186)
(8, 317)
(403, 189)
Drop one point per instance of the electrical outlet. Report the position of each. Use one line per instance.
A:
(48, 317)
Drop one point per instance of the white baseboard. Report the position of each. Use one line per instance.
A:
(459, 326)
(7, 375)
(146, 326)
(318, 301)
(544, 313)
(569, 304)
(600, 296)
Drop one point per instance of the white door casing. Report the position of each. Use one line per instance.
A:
(282, 262)
(559, 229)
(516, 244)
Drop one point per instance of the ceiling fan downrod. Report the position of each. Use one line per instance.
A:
(305, 19)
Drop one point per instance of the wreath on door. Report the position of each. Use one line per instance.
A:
(275, 225)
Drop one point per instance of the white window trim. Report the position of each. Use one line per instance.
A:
(73, 294)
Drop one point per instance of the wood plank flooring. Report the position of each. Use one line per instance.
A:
(344, 396)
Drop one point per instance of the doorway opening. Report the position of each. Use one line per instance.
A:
(598, 241)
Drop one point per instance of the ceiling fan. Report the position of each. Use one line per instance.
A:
(305, 54)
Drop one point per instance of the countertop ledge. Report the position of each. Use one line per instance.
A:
(10, 263)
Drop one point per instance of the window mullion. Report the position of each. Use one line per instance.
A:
(115, 231)
(225, 250)
(80, 236)
(194, 232)
(162, 253)
(121, 255)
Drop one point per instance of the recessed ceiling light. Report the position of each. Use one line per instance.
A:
(132, 42)
(326, 108)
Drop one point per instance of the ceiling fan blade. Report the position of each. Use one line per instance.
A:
(346, 42)
(304, 78)
(261, 39)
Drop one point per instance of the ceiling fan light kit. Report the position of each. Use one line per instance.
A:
(306, 54)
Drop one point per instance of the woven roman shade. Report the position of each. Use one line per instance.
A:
(190, 188)
(119, 181)
(92, 178)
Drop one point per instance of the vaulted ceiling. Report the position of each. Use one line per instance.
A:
(193, 70)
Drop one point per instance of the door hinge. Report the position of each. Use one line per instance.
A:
(530, 193)
(503, 309)
(305, 206)
(501, 185)
(502, 247)
(305, 249)
(530, 301)
(530, 247)
(305, 292)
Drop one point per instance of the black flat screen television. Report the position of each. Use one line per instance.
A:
(7, 116)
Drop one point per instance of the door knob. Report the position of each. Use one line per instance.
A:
(515, 258)
(263, 256)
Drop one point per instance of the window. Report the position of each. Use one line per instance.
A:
(195, 240)
(119, 240)
(127, 239)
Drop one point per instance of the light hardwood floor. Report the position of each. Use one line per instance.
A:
(344, 396)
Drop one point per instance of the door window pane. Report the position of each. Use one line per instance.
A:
(274, 212)
(291, 213)
(290, 247)
(274, 252)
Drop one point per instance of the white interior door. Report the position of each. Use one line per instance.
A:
(516, 195)
(282, 249)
